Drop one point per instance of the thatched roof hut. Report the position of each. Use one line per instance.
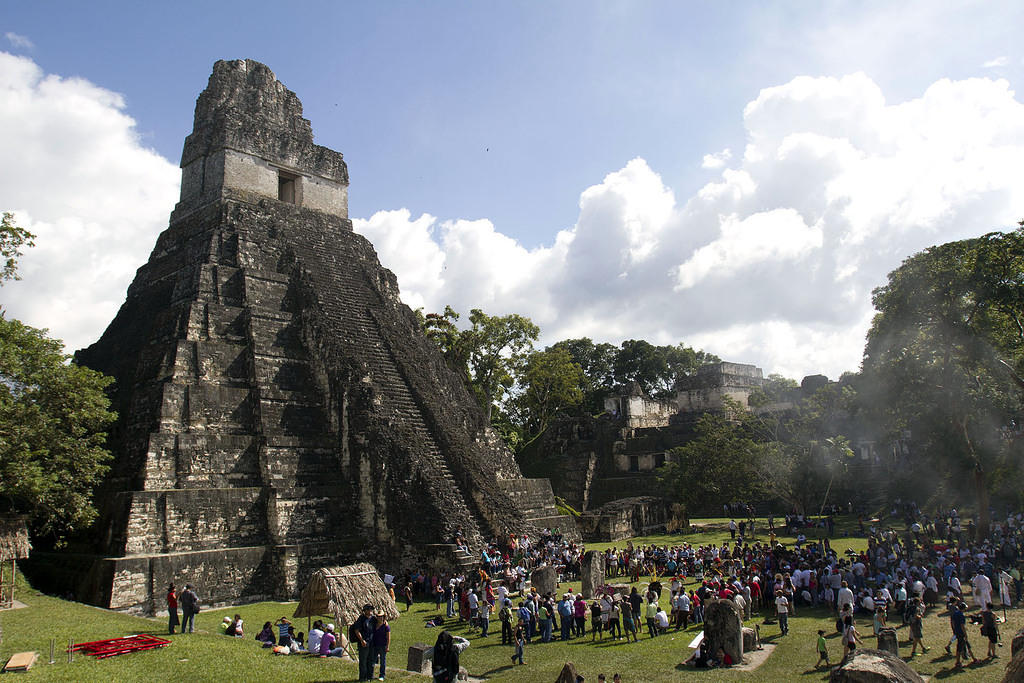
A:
(341, 592)
(14, 543)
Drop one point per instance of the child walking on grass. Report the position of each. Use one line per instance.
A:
(822, 650)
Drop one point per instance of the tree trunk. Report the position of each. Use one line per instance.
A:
(980, 489)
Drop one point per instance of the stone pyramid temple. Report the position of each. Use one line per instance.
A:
(279, 408)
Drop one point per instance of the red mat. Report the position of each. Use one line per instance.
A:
(101, 649)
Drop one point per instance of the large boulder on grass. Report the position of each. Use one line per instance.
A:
(1017, 644)
(1015, 669)
(874, 666)
(544, 579)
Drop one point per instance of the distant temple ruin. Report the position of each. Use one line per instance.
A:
(280, 409)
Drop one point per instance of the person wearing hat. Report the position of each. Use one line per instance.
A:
(380, 644)
(327, 641)
(363, 630)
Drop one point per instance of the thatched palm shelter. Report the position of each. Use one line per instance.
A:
(14, 545)
(341, 592)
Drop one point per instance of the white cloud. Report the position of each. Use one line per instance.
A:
(18, 40)
(717, 160)
(76, 174)
(998, 61)
(774, 261)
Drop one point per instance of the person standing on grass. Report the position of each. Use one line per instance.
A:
(519, 639)
(381, 645)
(172, 609)
(782, 610)
(505, 615)
(363, 630)
(822, 648)
(850, 639)
(989, 629)
(958, 622)
(614, 629)
(564, 615)
(407, 593)
(628, 625)
(651, 611)
(189, 608)
(916, 611)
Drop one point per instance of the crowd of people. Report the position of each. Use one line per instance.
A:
(933, 560)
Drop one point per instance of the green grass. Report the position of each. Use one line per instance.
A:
(206, 655)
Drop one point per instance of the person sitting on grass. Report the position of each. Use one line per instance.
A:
(328, 641)
(224, 625)
(235, 627)
(266, 636)
(315, 634)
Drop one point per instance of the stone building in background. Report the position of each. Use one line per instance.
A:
(279, 408)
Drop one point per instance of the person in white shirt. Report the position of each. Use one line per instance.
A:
(315, 634)
(782, 610)
(982, 590)
(845, 596)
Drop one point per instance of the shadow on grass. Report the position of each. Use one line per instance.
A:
(824, 673)
(498, 670)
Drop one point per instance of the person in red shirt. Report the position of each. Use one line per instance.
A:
(172, 609)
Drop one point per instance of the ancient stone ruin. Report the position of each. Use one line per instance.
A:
(279, 408)
(723, 628)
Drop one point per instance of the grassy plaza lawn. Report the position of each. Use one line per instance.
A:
(207, 655)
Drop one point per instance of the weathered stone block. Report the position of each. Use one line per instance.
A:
(592, 573)
(888, 641)
(420, 655)
(749, 639)
(544, 579)
(874, 666)
(723, 628)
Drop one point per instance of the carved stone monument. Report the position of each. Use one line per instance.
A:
(544, 579)
(887, 640)
(592, 573)
(279, 408)
(723, 628)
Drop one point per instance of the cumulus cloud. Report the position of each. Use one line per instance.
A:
(18, 40)
(718, 160)
(77, 176)
(998, 61)
(773, 262)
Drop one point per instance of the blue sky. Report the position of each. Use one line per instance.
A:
(569, 139)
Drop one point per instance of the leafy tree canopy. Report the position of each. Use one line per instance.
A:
(52, 420)
(945, 348)
(12, 239)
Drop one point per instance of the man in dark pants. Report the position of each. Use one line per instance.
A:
(363, 630)
(189, 608)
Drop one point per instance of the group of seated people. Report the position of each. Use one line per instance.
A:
(323, 641)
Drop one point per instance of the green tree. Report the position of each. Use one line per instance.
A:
(12, 239)
(549, 382)
(52, 420)
(597, 363)
(495, 348)
(656, 368)
(441, 328)
(722, 463)
(943, 352)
